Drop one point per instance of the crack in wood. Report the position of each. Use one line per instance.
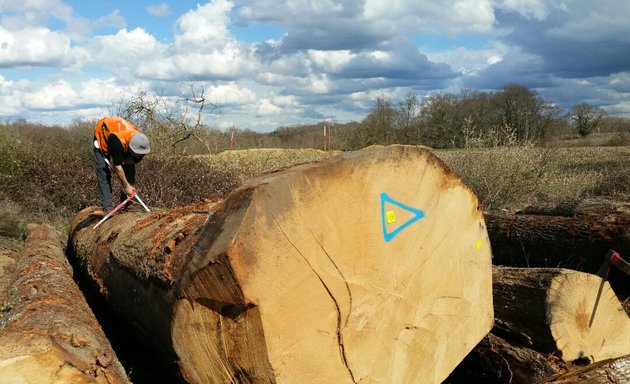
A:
(342, 349)
(343, 277)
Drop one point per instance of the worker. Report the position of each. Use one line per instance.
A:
(118, 147)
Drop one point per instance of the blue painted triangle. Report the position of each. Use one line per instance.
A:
(417, 215)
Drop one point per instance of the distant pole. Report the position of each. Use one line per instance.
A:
(232, 129)
(324, 132)
(330, 129)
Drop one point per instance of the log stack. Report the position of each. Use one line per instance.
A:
(48, 333)
(557, 324)
(372, 266)
(559, 310)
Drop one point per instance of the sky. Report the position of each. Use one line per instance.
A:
(275, 63)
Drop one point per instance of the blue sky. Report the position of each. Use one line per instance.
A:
(273, 63)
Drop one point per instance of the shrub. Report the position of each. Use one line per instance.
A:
(11, 223)
(501, 177)
(13, 159)
(612, 182)
(168, 181)
(509, 178)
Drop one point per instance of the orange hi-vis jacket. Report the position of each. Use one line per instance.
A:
(123, 129)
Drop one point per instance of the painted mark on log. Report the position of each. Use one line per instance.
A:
(388, 215)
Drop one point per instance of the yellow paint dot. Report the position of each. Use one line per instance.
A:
(389, 216)
(478, 245)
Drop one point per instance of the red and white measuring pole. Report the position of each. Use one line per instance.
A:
(119, 206)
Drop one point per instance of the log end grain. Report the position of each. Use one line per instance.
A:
(586, 318)
(371, 266)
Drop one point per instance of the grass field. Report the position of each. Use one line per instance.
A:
(510, 178)
(40, 189)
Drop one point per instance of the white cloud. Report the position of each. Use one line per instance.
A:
(589, 29)
(18, 14)
(330, 60)
(286, 101)
(203, 48)
(226, 63)
(103, 92)
(470, 61)
(535, 9)
(159, 10)
(59, 94)
(25, 14)
(229, 94)
(205, 26)
(266, 108)
(127, 51)
(10, 100)
(34, 46)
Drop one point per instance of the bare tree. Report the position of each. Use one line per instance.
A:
(407, 112)
(586, 118)
(168, 121)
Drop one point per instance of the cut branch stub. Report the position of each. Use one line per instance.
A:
(372, 266)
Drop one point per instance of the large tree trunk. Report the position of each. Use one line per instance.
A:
(613, 371)
(373, 266)
(553, 309)
(575, 236)
(47, 331)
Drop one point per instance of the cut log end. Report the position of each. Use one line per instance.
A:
(586, 318)
(372, 266)
(204, 333)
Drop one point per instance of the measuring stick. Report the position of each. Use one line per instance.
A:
(142, 203)
(113, 211)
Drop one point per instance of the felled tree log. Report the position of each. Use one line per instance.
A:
(575, 236)
(373, 266)
(613, 371)
(496, 360)
(553, 309)
(47, 331)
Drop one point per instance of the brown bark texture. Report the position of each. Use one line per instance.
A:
(573, 235)
(498, 360)
(372, 266)
(48, 333)
(612, 371)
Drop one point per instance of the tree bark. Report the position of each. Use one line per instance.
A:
(497, 361)
(613, 371)
(372, 266)
(575, 236)
(553, 309)
(47, 331)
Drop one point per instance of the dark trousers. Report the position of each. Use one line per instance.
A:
(104, 180)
